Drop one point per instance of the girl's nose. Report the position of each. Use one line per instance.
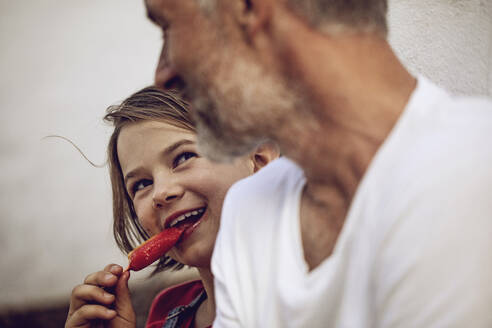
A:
(166, 194)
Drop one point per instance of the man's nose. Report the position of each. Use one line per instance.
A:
(166, 76)
(166, 193)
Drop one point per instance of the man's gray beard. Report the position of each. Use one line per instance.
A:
(216, 140)
(239, 107)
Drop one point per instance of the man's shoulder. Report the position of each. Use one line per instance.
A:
(442, 105)
(440, 142)
(434, 169)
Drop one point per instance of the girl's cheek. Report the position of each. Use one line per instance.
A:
(146, 227)
(143, 219)
(149, 227)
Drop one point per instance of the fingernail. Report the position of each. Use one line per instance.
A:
(108, 276)
(115, 269)
(110, 312)
(107, 295)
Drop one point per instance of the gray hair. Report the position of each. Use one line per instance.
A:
(333, 15)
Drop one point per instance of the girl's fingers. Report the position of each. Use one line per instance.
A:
(101, 278)
(90, 312)
(83, 294)
(114, 269)
(89, 301)
(105, 278)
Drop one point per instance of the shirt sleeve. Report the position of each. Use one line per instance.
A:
(435, 267)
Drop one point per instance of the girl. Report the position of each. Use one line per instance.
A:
(158, 179)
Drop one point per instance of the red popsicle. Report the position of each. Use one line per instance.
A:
(152, 249)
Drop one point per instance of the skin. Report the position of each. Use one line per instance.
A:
(164, 175)
(309, 84)
(221, 134)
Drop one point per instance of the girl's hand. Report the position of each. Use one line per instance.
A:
(103, 300)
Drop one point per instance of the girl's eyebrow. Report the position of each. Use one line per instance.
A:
(169, 149)
(177, 144)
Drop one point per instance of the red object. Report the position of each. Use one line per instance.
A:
(154, 248)
(172, 297)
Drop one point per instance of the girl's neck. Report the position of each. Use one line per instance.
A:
(205, 314)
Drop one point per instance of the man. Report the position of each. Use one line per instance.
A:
(388, 223)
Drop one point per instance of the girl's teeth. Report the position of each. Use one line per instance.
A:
(186, 215)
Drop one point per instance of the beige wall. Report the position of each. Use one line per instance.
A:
(447, 41)
(63, 62)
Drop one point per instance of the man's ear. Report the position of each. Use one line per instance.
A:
(264, 154)
(256, 15)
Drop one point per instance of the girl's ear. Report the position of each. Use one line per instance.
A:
(264, 154)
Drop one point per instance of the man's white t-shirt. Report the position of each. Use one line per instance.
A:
(416, 246)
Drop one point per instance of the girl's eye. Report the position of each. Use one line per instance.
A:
(140, 184)
(183, 157)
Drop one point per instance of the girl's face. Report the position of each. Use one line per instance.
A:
(166, 178)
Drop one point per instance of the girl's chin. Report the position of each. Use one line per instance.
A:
(192, 259)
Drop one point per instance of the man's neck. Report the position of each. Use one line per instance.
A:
(355, 89)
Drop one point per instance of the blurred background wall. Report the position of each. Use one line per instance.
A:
(63, 62)
(449, 41)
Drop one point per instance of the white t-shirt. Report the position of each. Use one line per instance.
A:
(416, 247)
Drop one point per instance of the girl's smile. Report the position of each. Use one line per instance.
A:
(188, 232)
(182, 216)
(193, 218)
